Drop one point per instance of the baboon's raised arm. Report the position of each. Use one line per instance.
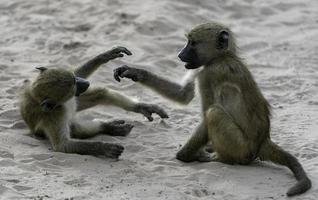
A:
(89, 67)
(104, 96)
(181, 93)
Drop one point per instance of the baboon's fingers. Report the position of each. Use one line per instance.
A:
(148, 109)
(134, 79)
(117, 128)
(160, 112)
(119, 71)
(147, 115)
(130, 74)
(114, 151)
(115, 55)
(118, 55)
(116, 75)
(128, 126)
(121, 49)
(150, 118)
(127, 129)
(123, 129)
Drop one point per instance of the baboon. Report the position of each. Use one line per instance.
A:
(48, 106)
(235, 114)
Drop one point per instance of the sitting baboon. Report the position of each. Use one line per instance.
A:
(48, 106)
(236, 116)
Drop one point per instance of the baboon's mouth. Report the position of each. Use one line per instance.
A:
(81, 86)
(191, 65)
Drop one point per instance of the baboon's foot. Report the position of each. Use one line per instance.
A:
(117, 128)
(204, 156)
(185, 157)
(209, 148)
(112, 150)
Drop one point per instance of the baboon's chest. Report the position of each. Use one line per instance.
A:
(208, 83)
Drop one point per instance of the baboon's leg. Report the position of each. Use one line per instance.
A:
(85, 129)
(103, 96)
(39, 134)
(59, 136)
(227, 138)
(209, 147)
(229, 97)
(193, 150)
(227, 122)
(271, 151)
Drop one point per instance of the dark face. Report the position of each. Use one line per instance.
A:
(81, 85)
(53, 87)
(190, 56)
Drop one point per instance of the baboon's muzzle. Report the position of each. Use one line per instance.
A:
(81, 86)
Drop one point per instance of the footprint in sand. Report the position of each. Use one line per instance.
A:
(3, 67)
(41, 157)
(77, 182)
(254, 46)
(73, 45)
(7, 163)
(155, 27)
(6, 154)
(22, 188)
(11, 114)
(134, 148)
(199, 192)
(79, 28)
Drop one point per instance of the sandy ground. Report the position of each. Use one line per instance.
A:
(278, 39)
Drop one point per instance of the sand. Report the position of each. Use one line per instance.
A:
(278, 39)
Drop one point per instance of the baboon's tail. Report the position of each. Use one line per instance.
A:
(271, 151)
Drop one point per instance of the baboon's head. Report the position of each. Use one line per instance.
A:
(205, 43)
(54, 87)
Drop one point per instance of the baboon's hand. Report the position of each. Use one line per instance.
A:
(129, 72)
(117, 128)
(112, 150)
(148, 109)
(115, 52)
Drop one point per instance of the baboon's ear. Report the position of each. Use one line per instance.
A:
(47, 105)
(222, 42)
(42, 69)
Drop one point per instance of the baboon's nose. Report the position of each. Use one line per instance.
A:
(181, 56)
(81, 86)
(185, 54)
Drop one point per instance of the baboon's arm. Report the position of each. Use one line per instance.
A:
(89, 67)
(177, 92)
(59, 136)
(231, 99)
(104, 96)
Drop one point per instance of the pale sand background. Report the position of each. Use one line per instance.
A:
(278, 40)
